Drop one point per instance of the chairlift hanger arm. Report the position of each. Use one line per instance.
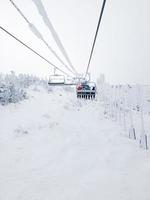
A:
(35, 52)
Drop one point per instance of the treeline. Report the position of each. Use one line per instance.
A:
(13, 88)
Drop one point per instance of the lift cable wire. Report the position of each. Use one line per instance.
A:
(99, 22)
(19, 11)
(35, 52)
(40, 36)
(42, 11)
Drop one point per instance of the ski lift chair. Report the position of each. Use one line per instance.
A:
(86, 90)
(56, 80)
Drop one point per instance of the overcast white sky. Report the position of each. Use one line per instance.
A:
(122, 51)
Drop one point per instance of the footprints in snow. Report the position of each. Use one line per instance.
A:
(21, 131)
(52, 123)
(46, 123)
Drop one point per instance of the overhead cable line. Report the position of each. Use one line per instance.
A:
(35, 52)
(43, 13)
(98, 26)
(19, 11)
(37, 33)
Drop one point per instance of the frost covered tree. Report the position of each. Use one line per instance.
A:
(13, 87)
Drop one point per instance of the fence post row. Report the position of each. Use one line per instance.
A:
(125, 105)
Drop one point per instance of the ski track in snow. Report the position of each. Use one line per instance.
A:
(53, 146)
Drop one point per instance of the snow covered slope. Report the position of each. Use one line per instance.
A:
(53, 146)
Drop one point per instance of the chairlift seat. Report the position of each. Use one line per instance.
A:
(86, 90)
(56, 80)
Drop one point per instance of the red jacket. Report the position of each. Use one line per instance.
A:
(79, 87)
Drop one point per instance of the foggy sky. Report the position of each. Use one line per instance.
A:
(122, 50)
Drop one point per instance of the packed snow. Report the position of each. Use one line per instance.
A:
(55, 146)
